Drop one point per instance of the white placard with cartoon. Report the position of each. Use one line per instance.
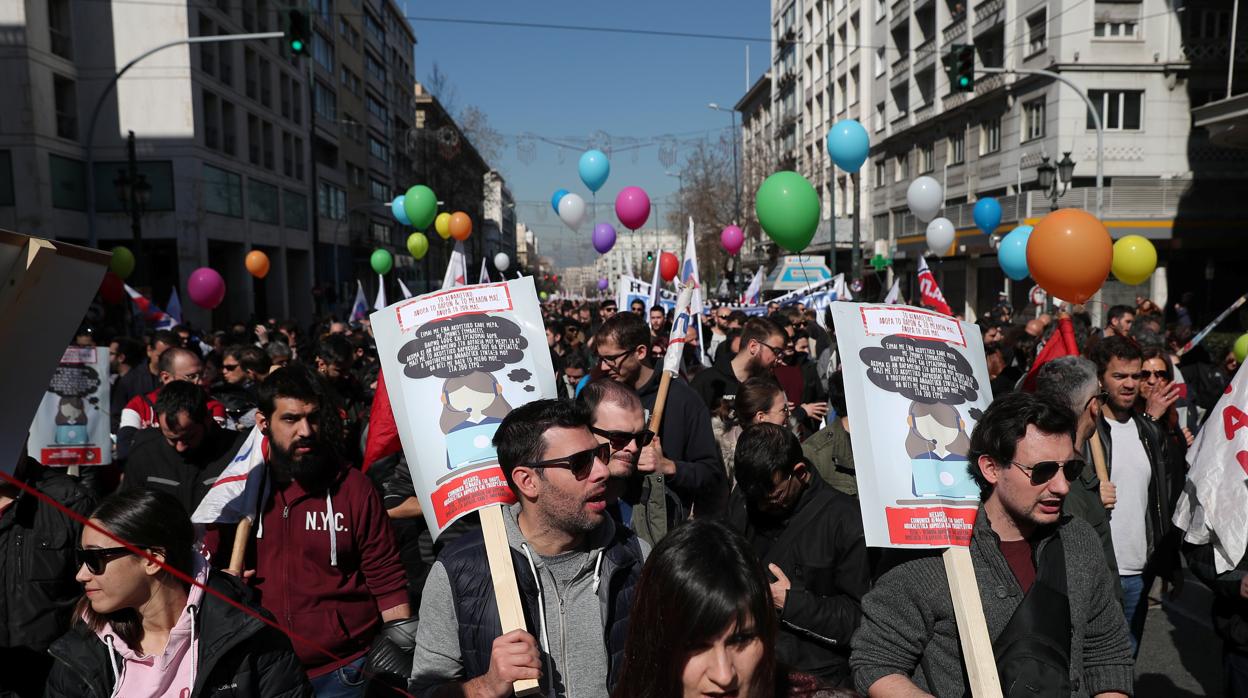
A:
(71, 426)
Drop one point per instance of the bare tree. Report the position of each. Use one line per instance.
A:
(476, 126)
(439, 85)
(707, 196)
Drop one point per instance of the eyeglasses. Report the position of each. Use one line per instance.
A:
(1044, 471)
(774, 351)
(612, 360)
(1159, 375)
(96, 559)
(579, 463)
(619, 439)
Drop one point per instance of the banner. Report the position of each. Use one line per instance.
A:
(455, 363)
(929, 293)
(456, 268)
(359, 307)
(629, 288)
(71, 426)
(923, 380)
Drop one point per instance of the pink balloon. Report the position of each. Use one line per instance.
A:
(732, 239)
(206, 288)
(632, 207)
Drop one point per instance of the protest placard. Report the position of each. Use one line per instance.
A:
(72, 422)
(629, 288)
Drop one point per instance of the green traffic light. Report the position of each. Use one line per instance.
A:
(296, 45)
(963, 82)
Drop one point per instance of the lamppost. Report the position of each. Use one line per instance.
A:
(135, 194)
(736, 183)
(680, 181)
(1049, 176)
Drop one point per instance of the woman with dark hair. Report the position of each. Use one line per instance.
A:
(702, 623)
(759, 399)
(937, 444)
(141, 630)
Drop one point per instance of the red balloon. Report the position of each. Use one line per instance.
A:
(112, 289)
(668, 266)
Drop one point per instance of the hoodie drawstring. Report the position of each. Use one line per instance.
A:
(332, 525)
(112, 660)
(541, 608)
(193, 610)
(598, 571)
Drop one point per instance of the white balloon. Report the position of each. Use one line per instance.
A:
(572, 211)
(925, 198)
(940, 235)
(501, 261)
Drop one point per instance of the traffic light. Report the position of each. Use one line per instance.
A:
(298, 32)
(960, 65)
(649, 256)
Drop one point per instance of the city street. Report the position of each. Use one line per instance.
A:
(1180, 656)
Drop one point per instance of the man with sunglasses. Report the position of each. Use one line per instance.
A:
(1047, 596)
(575, 569)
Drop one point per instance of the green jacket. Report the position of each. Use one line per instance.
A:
(830, 451)
(656, 512)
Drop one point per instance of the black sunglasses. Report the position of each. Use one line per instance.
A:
(1044, 471)
(1159, 375)
(96, 559)
(619, 439)
(579, 463)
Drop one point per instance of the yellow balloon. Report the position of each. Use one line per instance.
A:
(1135, 259)
(442, 224)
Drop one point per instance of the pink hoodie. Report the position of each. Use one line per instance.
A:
(172, 673)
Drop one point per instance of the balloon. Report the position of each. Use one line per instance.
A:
(594, 169)
(206, 288)
(925, 198)
(987, 215)
(400, 214)
(420, 204)
(572, 210)
(632, 207)
(556, 198)
(417, 245)
(788, 209)
(603, 238)
(122, 263)
(603, 284)
(940, 234)
(502, 261)
(461, 226)
(1069, 254)
(1241, 348)
(668, 266)
(442, 225)
(1012, 253)
(542, 294)
(257, 264)
(848, 144)
(732, 239)
(1135, 258)
(112, 289)
(381, 261)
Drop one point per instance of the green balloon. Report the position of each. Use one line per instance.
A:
(788, 210)
(122, 263)
(421, 205)
(542, 295)
(382, 261)
(1241, 348)
(417, 245)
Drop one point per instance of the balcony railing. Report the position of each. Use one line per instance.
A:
(955, 28)
(988, 14)
(925, 55)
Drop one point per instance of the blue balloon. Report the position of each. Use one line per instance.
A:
(848, 145)
(594, 169)
(554, 199)
(1012, 254)
(400, 215)
(987, 215)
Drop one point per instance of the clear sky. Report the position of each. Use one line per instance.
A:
(569, 85)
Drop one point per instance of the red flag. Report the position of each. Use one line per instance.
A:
(383, 433)
(929, 292)
(1061, 343)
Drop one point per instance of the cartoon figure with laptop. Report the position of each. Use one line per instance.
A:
(937, 444)
(472, 408)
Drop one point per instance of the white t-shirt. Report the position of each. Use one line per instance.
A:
(1131, 475)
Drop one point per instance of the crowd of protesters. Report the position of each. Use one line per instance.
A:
(717, 551)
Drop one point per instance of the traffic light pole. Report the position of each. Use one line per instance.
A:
(89, 154)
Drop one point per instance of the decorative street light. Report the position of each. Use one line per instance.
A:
(736, 182)
(1049, 177)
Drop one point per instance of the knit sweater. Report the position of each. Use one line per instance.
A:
(908, 624)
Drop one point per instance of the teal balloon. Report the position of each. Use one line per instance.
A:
(787, 207)
(421, 205)
(382, 261)
(1012, 253)
(848, 144)
(594, 169)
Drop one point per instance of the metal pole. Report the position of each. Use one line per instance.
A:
(92, 235)
(855, 258)
(1230, 58)
(736, 179)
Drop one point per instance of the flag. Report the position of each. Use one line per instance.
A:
(680, 330)
(655, 281)
(403, 289)
(722, 289)
(241, 488)
(840, 290)
(174, 307)
(381, 293)
(929, 293)
(1213, 507)
(1061, 343)
(383, 433)
(456, 269)
(751, 295)
(359, 309)
(150, 312)
(894, 293)
(690, 278)
(485, 273)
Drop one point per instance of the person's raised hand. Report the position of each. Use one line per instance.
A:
(1164, 395)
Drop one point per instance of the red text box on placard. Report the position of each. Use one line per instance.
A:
(938, 527)
(70, 455)
(469, 492)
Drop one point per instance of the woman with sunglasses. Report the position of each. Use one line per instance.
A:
(142, 630)
(1160, 393)
(759, 400)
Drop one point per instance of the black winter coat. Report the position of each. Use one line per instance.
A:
(239, 655)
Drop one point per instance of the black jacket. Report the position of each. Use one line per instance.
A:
(155, 465)
(37, 541)
(821, 549)
(1230, 609)
(687, 439)
(239, 655)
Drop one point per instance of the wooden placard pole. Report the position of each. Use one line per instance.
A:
(506, 591)
(660, 402)
(1098, 457)
(981, 664)
(239, 551)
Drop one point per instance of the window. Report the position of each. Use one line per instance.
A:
(927, 159)
(223, 192)
(266, 83)
(378, 149)
(373, 28)
(296, 102)
(957, 148)
(378, 190)
(225, 57)
(355, 175)
(212, 121)
(251, 82)
(879, 117)
(295, 210)
(7, 197)
(69, 185)
(261, 202)
(1114, 30)
(229, 129)
(990, 136)
(298, 145)
(379, 232)
(326, 102)
(1212, 24)
(376, 108)
(267, 142)
(288, 155)
(351, 81)
(1036, 31)
(207, 51)
(323, 51)
(324, 8)
(881, 173)
(881, 62)
(374, 67)
(331, 202)
(1033, 120)
(253, 139)
(1121, 110)
(901, 170)
(66, 97)
(59, 34)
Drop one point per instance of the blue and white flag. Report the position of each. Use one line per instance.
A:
(359, 308)
(690, 279)
(174, 307)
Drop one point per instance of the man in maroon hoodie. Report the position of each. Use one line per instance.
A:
(326, 564)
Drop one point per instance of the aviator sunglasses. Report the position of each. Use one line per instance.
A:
(1044, 471)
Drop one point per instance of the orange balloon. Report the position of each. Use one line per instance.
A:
(257, 263)
(461, 226)
(1069, 254)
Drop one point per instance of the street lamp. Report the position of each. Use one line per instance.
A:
(1048, 176)
(736, 183)
(680, 179)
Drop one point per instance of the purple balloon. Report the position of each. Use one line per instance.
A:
(732, 239)
(604, 237)
(603, 284)
(206, 288)
(632, 207)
